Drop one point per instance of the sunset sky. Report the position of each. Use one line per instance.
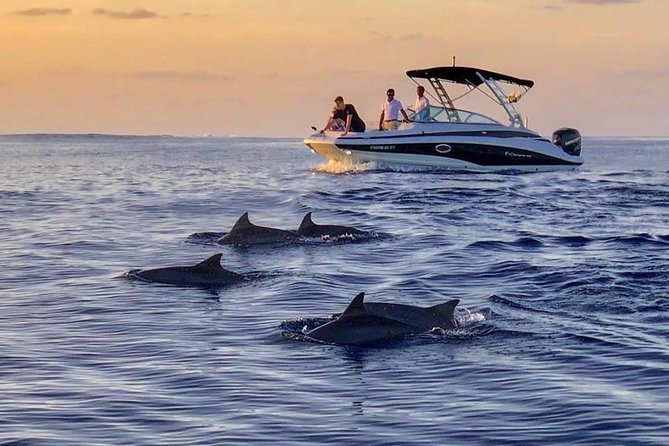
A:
(272, 68)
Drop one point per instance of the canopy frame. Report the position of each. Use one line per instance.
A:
(474, 78)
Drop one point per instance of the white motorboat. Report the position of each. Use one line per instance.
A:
(457, 139)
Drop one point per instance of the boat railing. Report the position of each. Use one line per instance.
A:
(441, 114)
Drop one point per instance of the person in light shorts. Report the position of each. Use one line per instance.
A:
(390, 112)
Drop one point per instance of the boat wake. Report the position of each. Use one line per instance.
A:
(344, 167)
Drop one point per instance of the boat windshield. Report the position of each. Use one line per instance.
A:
(441, 114)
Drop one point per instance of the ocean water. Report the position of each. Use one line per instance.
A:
(563, 279)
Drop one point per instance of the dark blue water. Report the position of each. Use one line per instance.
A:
(564, 276)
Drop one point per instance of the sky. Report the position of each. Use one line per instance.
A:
(273, 68)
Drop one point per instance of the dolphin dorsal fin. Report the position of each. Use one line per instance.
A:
(307, 222)
(242, 223)
(447, 309)
(213, 262)
(356, 307)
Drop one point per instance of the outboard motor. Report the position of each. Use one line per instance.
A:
(569, 140)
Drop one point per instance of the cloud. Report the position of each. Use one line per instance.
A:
(551, 7)
(603, 2)
(139, 13)
(171, 75)
(401, 37)
(37, 12)
(660, 72)
(411, 36)
(62, 72)
(188, 15)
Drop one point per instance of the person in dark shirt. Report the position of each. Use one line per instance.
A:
(347, 114)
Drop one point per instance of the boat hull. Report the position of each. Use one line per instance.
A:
(479, 149)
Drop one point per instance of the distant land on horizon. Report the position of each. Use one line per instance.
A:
(127, 135)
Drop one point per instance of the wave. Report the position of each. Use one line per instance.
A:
(516, 305)
(205, 238)
(636, 239)
(522, 242)
(23, 195)
(572, 241)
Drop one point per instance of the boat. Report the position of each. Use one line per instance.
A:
(456, 139)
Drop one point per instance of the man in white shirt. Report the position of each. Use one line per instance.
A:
(390, 111)
(422, 106)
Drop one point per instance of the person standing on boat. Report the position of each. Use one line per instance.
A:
(346, 114)
(390, 112)
(422, 106)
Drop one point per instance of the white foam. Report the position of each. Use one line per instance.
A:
(465, 318)
(342, 167)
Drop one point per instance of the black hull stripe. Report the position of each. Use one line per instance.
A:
(481, 154)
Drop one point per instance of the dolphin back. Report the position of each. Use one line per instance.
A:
(212, 263)
(423, 319)
(357, 327)
(242, 225)
(207, 273)
(246, 233)
(445, 314)
(242, 222)
(356, 307)
(306, 225)
(310, 229)
(360, 330)
(212, 267)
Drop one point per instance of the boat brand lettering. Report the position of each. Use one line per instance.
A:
(382, 147)
(517, 155)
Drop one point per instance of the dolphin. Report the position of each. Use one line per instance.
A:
(208, 273)
(356, 326)
(310, 229)
(246, 233)
(422, 318)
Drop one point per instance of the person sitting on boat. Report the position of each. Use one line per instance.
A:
(390, 112)
(344, 118)
(422, 106)
(334, 124)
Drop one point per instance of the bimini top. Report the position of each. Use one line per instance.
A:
(466, 75)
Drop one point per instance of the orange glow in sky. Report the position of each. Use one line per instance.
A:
(272, 68)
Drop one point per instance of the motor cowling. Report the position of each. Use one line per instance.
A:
(569, 140)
